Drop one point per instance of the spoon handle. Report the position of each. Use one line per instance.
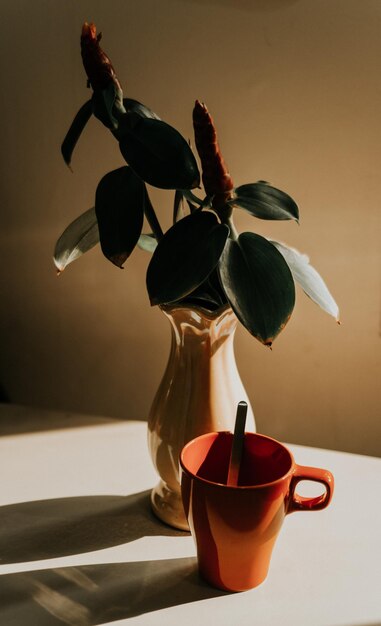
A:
(237, 446)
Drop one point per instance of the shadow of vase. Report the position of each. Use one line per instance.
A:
(45, 529)
(97, 594)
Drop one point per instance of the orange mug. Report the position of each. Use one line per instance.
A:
(235, 527)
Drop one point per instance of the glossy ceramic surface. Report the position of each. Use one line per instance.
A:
(235, 528)
(199, 393)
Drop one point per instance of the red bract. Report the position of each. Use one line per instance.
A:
(98, 66)
(215, 176)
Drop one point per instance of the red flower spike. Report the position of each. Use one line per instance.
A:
(215, 176)
(98, 66)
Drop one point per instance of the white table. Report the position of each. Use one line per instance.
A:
(79, 544)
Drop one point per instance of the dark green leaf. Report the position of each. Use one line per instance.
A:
(79, 237)
(209, 294)
(159, 155)
(266, 202)
(258, 284)
(201, 297)
(204, 300)
(75, 130)
(133, 106)
(216, 287)
(185, 256)
(119, 206)
(308, 278)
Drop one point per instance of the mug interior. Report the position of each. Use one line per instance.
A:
(264, 460)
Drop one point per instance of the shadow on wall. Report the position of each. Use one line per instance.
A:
(255, 6)
(3, 394)
(16, 419)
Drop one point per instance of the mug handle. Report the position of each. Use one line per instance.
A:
(298, 503)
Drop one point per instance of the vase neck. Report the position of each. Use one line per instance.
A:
(197, 325)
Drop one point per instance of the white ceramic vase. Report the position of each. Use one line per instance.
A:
(199, 393)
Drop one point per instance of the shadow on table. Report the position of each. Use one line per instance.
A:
(95, 594)
(92, 595)
(45, 529)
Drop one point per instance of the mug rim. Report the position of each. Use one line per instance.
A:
(225, 486)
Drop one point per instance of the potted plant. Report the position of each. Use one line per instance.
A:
(203, 273)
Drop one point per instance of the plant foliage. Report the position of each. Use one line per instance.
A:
(201, 259)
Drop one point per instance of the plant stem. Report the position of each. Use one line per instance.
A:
(233, 231)
(189, 195)
(152, 220)
(119, 110)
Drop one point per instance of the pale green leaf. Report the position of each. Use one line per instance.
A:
(79, 237)
(308, 278)
(147, 242)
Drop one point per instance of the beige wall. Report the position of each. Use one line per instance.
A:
(295, 89)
